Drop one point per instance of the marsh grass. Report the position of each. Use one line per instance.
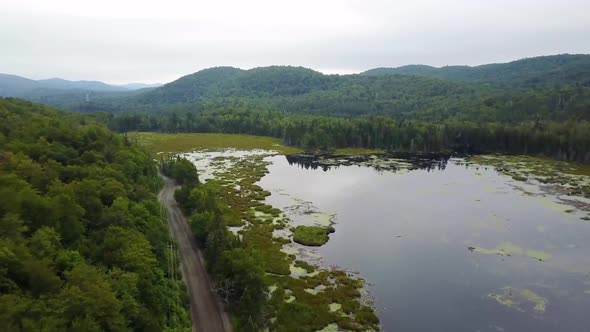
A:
(311, 235)
(290, 305)
(186, 142)
(570, 178)
(357, 151)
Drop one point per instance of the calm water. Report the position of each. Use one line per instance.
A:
(407, 234)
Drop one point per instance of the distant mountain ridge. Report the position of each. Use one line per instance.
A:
(138, 86)
(556, 87)
(17, 86)
(572, 69)
(61, 84)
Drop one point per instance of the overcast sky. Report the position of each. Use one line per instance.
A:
(120, 41)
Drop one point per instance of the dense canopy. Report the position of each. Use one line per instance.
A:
(83, 244)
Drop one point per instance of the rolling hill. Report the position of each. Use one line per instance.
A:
(541, 71)
(549, 87)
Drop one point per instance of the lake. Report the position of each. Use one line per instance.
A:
(451, 248)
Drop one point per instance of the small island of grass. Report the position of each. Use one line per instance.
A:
(311, 235)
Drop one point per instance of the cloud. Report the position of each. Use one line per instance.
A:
(123, 41)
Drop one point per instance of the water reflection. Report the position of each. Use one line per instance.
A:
(391, 162)
(407, 227)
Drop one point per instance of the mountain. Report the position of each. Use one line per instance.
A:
(219, 82)
(12, 85)
(61, 84)
(304, 91)
(17, 86)
(554, 87)
(565, 69)
(138, 86)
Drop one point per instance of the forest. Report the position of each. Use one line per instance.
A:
(536, 106)
(83, 242)
(568, 140)
(565, 69)
(561, 92)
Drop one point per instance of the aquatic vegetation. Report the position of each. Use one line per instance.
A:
(335, 307)
(537, 254)
(297, 271)
(329, 328)
(356, 151)
(563, 177)
(311, 235)
(299, 293)
(316, 290)
(503, 300)
(520, 299)
(323, 219)
(539, 302)
(509, 249)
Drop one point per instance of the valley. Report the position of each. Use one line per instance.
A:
(280, 198)
(501, 239)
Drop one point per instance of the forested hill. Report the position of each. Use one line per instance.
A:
(555, 88)
(541, 71)
(274, 81)
(83, 244)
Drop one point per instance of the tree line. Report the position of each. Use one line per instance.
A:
(565, 140)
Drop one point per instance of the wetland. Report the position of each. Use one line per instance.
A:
(489, 243)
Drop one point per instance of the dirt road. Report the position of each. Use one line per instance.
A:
(207, 312)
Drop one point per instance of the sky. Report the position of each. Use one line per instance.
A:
(122, 41)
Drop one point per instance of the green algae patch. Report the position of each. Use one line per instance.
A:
(503, 300)
(313, 236)
(532, 297)
(324, 219)
(329, 328)
(520, 299)
(504, 249)
(538, 255)
(335, 307)
(297, 271)
(316, 290)
(509, 249)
